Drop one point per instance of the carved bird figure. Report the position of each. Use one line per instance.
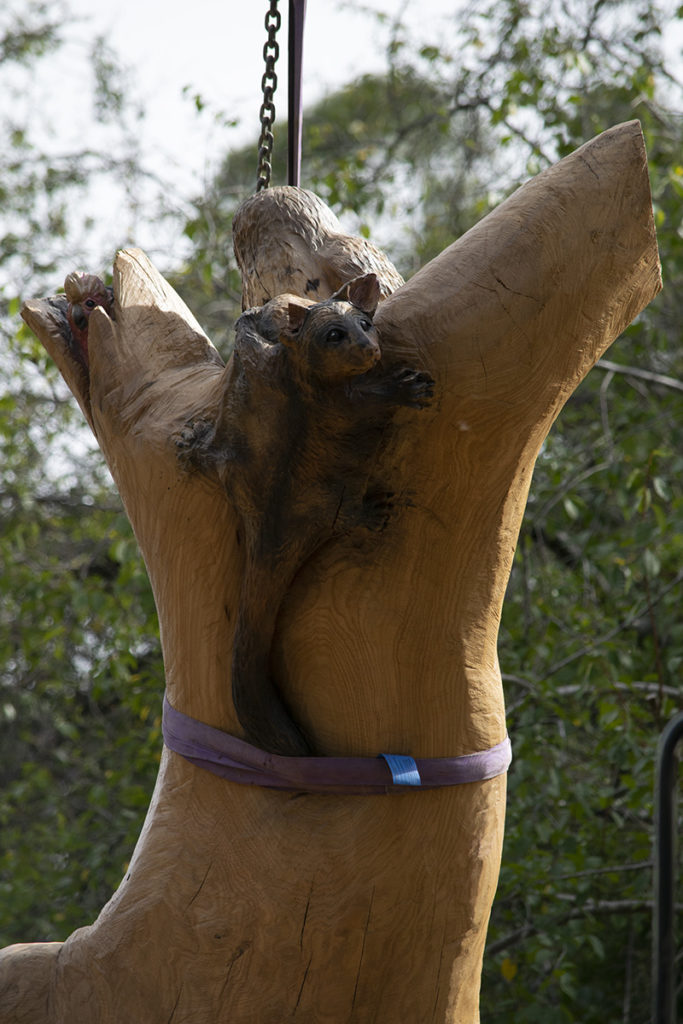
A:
(84, 292)
(289, 233)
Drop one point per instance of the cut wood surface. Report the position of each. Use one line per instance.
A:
(244, 904)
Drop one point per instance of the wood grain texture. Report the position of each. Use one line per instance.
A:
(247, 905)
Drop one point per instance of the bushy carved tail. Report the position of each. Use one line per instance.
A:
(259, 706)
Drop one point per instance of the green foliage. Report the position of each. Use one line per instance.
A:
(80, 675)
(591, 641)
(591, 648)
(79, 682)
(80, 666)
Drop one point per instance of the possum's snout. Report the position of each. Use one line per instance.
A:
(355, 355)
(368, 352)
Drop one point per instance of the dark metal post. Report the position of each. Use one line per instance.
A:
(664, 943)
(297, 16)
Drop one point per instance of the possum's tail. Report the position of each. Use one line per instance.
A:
(259, 706)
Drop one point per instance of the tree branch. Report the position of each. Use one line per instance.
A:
(624, 624)
(635, 371)
(590, 907)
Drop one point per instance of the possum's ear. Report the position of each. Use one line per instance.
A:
(296, 312)
(363, 292)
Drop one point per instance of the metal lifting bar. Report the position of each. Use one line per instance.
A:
(665, 856)
(297, 17)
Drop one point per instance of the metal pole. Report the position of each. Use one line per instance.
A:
(297, 16)
(664, 942)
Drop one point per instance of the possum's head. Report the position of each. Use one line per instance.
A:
(336, 338)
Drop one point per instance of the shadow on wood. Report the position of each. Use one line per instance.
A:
(244, 904)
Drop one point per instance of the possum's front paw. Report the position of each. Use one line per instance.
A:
(192, 441)
(410, 387)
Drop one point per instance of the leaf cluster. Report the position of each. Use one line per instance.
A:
(80, 667)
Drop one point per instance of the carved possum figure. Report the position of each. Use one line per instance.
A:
(305, 407)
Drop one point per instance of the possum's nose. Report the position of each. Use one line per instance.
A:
(370, 349)
(368, 353)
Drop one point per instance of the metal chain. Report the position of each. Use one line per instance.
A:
(271, 52)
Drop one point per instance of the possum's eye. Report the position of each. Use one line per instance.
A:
(89, 303)
(365, 325)
(334, 336)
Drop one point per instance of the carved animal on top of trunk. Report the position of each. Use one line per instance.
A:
(288, 233)
(305, 407)
(84, 293)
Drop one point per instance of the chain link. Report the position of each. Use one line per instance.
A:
(271, 52)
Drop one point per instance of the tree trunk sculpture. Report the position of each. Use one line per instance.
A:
(248, 904)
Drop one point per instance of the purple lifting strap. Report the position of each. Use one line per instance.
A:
(233, 759)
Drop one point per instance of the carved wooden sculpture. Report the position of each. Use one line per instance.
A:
(248, 904)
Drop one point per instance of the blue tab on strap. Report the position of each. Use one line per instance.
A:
(403, 770)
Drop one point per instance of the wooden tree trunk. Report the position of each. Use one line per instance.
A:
(244, 904)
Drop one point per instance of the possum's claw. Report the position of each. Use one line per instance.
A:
(414, 388)
(194, 438)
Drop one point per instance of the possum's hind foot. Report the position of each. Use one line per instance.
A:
(193, 442)
(377, 510)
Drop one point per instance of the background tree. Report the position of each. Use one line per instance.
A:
(592, 640)
(78, 636)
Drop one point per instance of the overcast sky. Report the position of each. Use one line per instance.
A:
(216, 49)
(178, 48)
